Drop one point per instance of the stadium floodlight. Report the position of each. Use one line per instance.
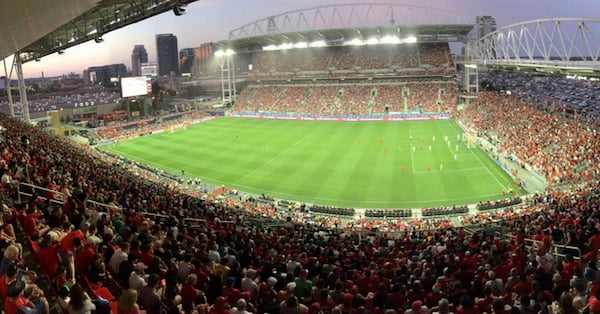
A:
(388, 39)
(285, 46)
(354, 42)
(269, 47)
(301, 44)
(229, 52)
(317, 44)
(178, 9)
(372, 41)
(410, 40)
(219, 53)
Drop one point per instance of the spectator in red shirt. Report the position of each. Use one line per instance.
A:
(15, 301)
(48, 256)
(188, 292)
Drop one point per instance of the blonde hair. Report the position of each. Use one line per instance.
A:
(11, 252)
(127, 301)
(192, 278)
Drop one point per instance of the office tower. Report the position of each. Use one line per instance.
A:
(138, 56)
(166, 48)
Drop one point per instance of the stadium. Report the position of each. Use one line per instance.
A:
(361, 168)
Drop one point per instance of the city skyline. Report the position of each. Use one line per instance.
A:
(211, 20)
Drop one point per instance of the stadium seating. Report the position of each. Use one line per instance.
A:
(349, 99)
(369, 265)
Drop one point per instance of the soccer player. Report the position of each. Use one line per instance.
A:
(385, 149)
(414, 149)
(455, 157)
(403, 169)
(433, 138)
(441, 167)
(182, 172)
(428, 168)
(429, 147)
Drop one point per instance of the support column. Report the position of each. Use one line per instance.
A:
(22, 89)
(8, 76)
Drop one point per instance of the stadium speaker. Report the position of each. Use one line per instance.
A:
(178, 10)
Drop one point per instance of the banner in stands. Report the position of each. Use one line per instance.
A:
(354, 119)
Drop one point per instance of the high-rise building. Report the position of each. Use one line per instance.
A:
(186, 60)
(106, 75)
(166, 48)
(484, 24)
(138, 56)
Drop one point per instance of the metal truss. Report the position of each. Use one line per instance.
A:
(107, 16)
(348, 15)
(544, 43)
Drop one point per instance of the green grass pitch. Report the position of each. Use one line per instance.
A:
(357, 164)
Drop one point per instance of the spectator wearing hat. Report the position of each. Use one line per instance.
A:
(303, 285)
(267, 296)
(594, 305)
(137, 278)
(416, 307)
(249, 282)
(16, 302)
(219, 307)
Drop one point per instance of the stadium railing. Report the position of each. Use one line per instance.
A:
(33, 192)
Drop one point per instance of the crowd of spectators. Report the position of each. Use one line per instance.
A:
(161, 264)
(568, 94)
(128, 129)
(445, 210)
(564, 149)
(427, 56)
(350, 99)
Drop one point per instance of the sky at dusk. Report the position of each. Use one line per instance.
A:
(211, 21)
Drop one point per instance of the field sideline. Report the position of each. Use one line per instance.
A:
(354, 164)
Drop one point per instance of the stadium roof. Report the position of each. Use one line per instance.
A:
(423, 33)
(37, 28)
(24, 21)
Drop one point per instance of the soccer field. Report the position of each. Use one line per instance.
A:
(354, 164)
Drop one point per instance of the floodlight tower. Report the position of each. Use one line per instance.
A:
(228, 89)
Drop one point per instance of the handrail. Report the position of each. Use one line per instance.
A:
(19, 193)
(555, 248)
(41, 188)
(102, 204)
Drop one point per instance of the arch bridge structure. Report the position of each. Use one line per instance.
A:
(552, 46)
